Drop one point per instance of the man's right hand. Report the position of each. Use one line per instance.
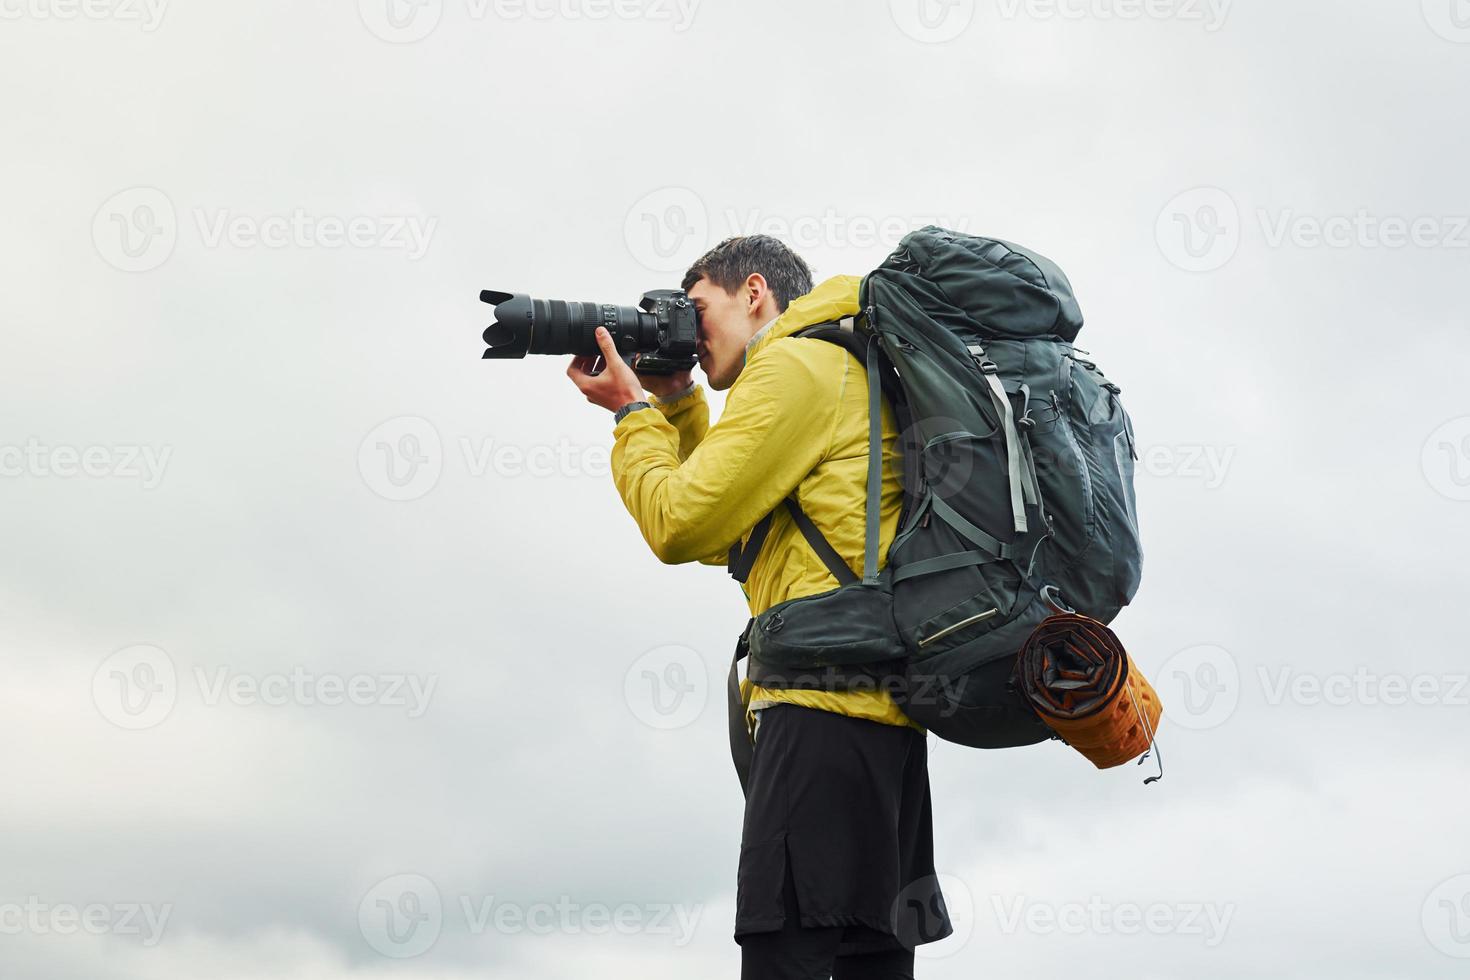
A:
(664, 385)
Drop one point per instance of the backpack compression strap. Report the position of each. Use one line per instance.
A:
(1023, 488)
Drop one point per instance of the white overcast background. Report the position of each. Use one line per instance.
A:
(329, 650)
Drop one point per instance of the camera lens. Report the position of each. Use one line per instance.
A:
(552, 326)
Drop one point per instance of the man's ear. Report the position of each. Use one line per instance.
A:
(756, 283)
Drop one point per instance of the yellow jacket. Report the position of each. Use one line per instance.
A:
(795, 418)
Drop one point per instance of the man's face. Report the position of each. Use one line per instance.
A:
(726, 322)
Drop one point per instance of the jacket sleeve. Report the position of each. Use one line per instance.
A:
(776, 427)
(688, 411)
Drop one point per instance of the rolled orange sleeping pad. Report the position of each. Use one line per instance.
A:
(1078, 677)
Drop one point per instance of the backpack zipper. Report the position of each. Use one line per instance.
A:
(960, 625)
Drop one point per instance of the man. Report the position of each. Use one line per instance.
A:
(836, 875)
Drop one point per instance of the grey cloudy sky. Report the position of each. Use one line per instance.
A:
(329, 650)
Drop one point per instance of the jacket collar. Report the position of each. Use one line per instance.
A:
(833, 299)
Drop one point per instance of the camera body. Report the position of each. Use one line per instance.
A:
(658, 336)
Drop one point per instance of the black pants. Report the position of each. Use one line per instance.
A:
(836, 874)
(795, 953)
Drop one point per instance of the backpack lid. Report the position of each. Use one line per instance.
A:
(1014, 291)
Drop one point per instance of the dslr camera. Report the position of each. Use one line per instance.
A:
(656, 337)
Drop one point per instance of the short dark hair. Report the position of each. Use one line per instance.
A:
(729, 263)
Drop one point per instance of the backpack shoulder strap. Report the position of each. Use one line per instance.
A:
(864, 348)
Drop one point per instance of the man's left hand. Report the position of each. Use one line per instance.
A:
(616, 386)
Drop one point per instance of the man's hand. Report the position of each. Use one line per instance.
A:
(616, 386)
(664, 385)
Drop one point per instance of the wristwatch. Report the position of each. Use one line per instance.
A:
(630, 407)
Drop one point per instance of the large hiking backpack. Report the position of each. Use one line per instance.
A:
(1018, 492)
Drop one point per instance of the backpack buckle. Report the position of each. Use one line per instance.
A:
(984, 363)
